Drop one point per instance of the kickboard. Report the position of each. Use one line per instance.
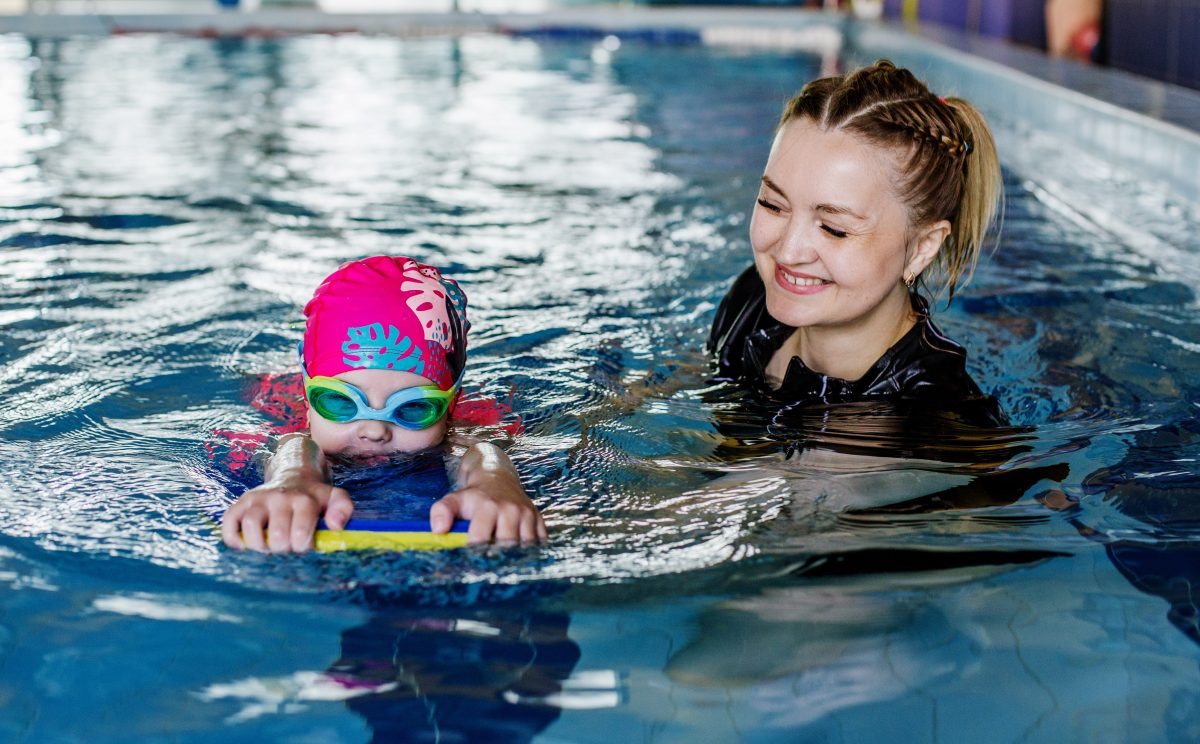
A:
(388, 534)
(391, 508)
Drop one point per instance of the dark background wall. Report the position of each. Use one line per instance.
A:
(1023, 21)
(1155, 38)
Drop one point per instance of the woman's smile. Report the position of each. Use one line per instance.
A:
(798, 283)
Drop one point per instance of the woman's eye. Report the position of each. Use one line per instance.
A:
(834, 231)
(769, 206)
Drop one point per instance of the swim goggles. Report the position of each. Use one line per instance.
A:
(413, 408)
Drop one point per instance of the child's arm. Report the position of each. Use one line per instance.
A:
(488, 492)
(289, 503)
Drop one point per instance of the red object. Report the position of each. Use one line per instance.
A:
(476, 410)
(281, 399)
(1084, 41)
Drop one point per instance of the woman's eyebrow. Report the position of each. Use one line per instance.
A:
(839, 209)
(827, 208)
(773, 186)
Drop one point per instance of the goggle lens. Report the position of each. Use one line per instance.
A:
(332, 405)
(421, 413)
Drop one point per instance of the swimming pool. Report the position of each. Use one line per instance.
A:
(167, 205)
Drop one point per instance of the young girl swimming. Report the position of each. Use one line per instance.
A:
(874, 187)
(382, 358)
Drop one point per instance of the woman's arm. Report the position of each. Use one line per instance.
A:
(287, 506)
(488, 492)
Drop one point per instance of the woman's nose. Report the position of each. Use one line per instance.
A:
(373, 431)
(796, 245)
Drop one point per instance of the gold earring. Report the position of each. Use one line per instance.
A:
(910, 280)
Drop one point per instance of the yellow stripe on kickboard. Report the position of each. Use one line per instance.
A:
(330, 541)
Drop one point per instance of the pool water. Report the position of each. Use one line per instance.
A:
(167, 206)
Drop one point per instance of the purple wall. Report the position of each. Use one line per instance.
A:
(1157, 38)
(1022, 21)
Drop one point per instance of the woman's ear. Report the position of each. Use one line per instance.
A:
(925, 246)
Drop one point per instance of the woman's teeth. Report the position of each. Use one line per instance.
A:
(801, 282)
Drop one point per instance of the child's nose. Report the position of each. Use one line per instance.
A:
(373, 431)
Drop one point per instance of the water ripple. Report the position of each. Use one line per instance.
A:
(157, 253)
(49, 240)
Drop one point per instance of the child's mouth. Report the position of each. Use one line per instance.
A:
(366, 459)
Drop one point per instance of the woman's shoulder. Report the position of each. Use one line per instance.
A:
(744, 297)
(929, 365)
(742, 312)
(929, 356)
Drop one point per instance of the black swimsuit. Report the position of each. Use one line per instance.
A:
(922, 367)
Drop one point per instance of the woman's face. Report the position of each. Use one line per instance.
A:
(366, 438)
(830, 236)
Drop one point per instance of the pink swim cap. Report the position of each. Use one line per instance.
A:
(387, 312)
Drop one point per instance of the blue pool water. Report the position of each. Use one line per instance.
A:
(168, 204)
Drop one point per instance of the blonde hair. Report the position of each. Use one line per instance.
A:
(948, 165)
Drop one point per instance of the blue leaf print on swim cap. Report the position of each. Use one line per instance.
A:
(368, 347)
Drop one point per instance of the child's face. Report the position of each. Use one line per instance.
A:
(364, 437)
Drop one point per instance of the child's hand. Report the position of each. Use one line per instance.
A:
(288, 511)
(288, 506)
(490, 494)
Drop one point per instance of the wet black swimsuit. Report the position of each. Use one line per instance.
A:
(923, 367)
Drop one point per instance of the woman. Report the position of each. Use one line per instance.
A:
(874, 187)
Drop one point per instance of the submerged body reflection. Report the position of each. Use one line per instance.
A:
(1157, 485)
(457, 674)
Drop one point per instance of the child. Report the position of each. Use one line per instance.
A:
(872, 183)
(382, 358)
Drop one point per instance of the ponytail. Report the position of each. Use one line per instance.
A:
(979, 205)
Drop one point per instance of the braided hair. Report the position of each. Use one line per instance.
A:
(946, 159)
